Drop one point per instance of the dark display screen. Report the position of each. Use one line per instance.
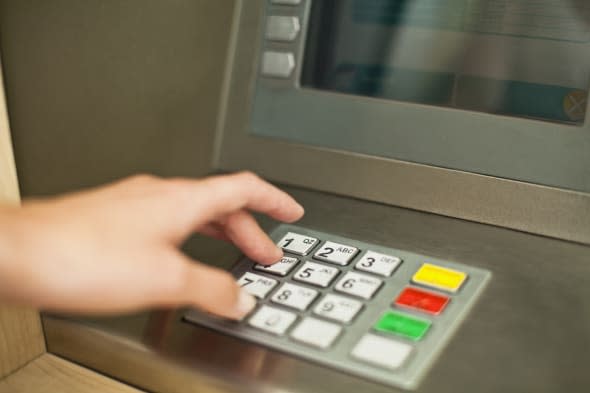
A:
(525, 58)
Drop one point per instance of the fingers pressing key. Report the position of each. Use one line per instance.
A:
(243, 190)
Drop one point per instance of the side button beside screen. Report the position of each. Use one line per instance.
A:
(278, 64)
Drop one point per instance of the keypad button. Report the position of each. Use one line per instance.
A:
(382, 352)
(280, 268)
(316, 333)
(257, 285)
(359, 285)
(316, 274)
(439, 277)
(393, 322)
(272, 320)
(377, 263)
(294, 296)
(420, 300)
(298, 244)
(339, 254)
(338, 308)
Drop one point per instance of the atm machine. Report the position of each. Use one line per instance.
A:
(442, 152)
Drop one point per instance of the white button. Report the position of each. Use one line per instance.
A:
(338, 308)
(381, 351)
(381, 264)
(257, 285)
(359, 285)
(272, 320)
(339, 254)
(297, 244)
(282, 28)
(280, 268)
(316, 333)
(278, 64)
(286, 2)
(316, 274)
(294, 296)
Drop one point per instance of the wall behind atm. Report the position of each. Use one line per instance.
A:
(101, 89)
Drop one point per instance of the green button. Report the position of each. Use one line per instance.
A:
(403, 325)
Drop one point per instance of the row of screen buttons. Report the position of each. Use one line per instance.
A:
(281, 28)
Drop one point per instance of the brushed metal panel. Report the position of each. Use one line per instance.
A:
(98, 90)
(530, 330)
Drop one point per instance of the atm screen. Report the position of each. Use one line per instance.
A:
(524, 58)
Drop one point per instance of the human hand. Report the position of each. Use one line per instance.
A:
(115, 248)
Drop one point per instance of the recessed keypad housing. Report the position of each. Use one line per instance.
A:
(374, 311)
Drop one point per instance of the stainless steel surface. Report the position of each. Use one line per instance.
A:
(282, 28)
(523, 206)
(98, 89)
(529, 332)
(377, 300)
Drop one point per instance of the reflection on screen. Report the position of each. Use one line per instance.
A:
(527, 58)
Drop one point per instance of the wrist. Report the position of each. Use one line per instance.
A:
(7, 240)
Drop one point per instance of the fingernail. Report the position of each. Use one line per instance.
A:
(301, 208)
(246, 303)
(278, 254)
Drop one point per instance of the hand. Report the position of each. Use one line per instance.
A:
(115, 248)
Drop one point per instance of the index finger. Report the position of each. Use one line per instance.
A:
(218, 196)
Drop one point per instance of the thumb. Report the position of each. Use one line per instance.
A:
(213, 290)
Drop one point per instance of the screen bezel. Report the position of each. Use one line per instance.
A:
(551, 211)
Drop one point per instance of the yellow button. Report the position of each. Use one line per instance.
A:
(439, 277)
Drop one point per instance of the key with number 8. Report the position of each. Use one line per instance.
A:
(294, 296)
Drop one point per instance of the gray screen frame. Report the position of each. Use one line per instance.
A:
(552, 211)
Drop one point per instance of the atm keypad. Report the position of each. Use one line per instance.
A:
(365, 309)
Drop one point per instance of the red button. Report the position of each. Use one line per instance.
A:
(421, 300)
